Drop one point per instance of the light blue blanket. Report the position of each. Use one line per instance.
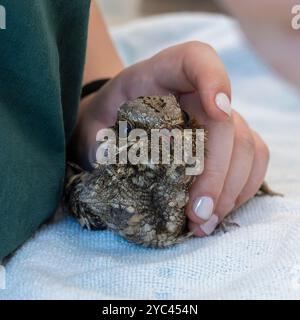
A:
(261, 259)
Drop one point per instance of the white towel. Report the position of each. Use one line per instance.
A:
(261, 259)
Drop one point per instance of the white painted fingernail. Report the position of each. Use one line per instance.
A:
(203, 207)
(209, 226)
(223, 103)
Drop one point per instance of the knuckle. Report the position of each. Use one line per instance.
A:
(245, 196)
(245, 140)
(263, 150)
(248, 193)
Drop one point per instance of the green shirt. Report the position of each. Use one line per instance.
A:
(42, 52)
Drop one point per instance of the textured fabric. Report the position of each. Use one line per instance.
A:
(42, 57)
(261, 259)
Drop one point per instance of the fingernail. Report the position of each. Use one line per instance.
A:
(223, 103)
(203, 207)
(209, 226)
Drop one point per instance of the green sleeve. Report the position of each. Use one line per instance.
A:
(42, 53)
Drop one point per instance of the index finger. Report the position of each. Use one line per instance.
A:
(195, 67)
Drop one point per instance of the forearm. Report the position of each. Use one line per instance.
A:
(102, 59)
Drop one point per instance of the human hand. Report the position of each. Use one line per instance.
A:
(236, 159)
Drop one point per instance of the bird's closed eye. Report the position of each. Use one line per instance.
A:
(186, 117)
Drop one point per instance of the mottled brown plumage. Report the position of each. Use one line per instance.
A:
(144, 203)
